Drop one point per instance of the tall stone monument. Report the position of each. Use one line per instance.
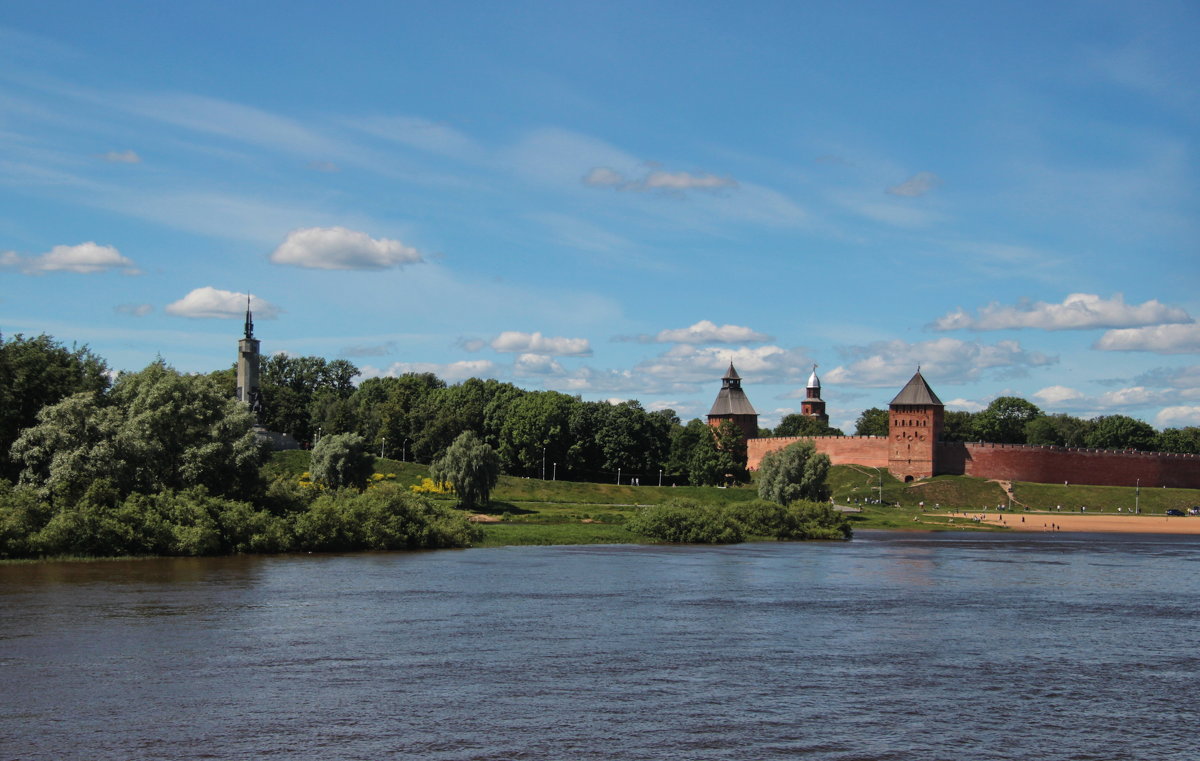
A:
(247, 365)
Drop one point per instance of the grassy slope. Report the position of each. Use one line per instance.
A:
(566, 512)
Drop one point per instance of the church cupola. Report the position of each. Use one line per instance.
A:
(813, 405)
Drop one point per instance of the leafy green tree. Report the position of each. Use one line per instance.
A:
(1057, 430)
(471, 467)
(1004, 420)
(719, 456)
(1121, 432)
(35, 373)
(385, 408)
(291, 384)
(958, 425)
(156, 430)
(684, 440)
(796, 424)
(872, 422)
(341, 461)
(535, 431)
(793, 473)
(473, 405)
(1180, 440)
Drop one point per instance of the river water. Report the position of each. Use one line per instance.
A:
(891, 646)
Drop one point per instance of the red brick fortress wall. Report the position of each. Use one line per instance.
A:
(842, 450)
(1102, 467)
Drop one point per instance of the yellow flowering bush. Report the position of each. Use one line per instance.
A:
(429, 486)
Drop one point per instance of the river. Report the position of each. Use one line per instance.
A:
(890, 646)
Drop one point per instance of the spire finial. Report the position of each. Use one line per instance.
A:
(249, 318)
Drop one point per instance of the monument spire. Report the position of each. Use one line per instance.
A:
(249, 318)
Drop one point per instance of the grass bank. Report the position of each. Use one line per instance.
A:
(531, 511)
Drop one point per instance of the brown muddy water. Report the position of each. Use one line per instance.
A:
(892, 646)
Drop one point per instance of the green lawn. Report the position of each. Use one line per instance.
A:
(533, 511)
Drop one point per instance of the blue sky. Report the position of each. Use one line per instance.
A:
(615, 199)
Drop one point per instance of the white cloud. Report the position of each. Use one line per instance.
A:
(336, 248)
(706, 331)
(527, 365)
(917, 185)
(964, 405)
(1078, 311)
(889, 363)
(687, 364)
(134, 310)
(1187, 377)
(85, 258)
(512, 341)
(1134, 396)
(451, 373)
(122, 157)
(419, 133)
(1176, 417)
(1161, 339)
(225, 305)
(470, 344)
(1058, 395)
(603, 177)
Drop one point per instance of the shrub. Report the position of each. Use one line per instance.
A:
(341, 460)
(794, 472)
(686, 522)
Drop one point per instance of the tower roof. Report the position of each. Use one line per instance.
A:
(813, 380)
(249, 318)
(731, 399)
(917, 391)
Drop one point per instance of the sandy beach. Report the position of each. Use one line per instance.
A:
(1123, 524)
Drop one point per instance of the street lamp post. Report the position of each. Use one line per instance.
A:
(543, 463)
(660, 476)
(555, 478)
(404, 451)
(1137, 498)
(382, 446)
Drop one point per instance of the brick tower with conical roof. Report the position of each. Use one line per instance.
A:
(732, 404)
(915, 419)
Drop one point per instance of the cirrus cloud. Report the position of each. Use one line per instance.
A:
(219, 304)
(337, 248)
(656, 180)
(917, 185)
(1078, 311)
(85, 259)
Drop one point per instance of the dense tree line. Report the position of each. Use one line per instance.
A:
(1012, 420)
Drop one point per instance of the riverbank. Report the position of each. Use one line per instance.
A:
(1118, 524)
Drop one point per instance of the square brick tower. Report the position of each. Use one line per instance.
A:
(915, 421)
(813, 405)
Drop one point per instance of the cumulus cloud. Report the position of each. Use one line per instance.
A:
(1078, 311)
(451, 373)
(656, 180)
(888, 363)
(1058, 395)
(470, 344)
(694, 364)
(704, 331)
(134, 310)
(515, 342)
(917, 185)
(1160, 339)
(1176, 377)
(1134, 396)
(121, 157)
(964, 405)
(225, 305)
(1178, 416)
(527, 365)
(336, 248)
(85, 258)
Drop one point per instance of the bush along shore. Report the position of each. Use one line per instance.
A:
(398, 505)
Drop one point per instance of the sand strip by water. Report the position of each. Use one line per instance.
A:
(1122, 524)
